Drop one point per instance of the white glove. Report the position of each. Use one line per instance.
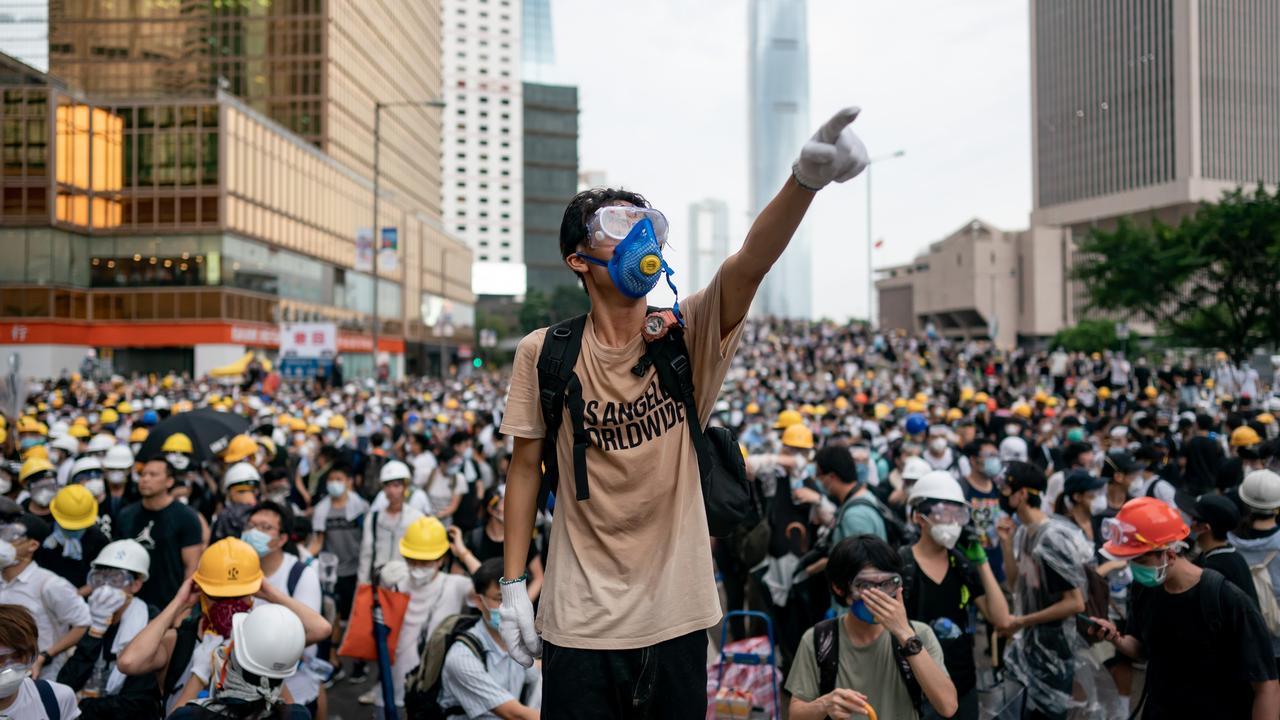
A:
(103, 603)
(516, 624)
(833, 153)
(394, 573)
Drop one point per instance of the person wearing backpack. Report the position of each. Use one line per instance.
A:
(1213, 518)
(630, 586)
(1204, 642)
(858, 512)
(1258, 541)
(479, 678)
(872, 655)
(22, 696)
(941, 582)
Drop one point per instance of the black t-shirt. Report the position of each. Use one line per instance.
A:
(1232, 566)
(1195, 668)
(164, 534)
(929, 602)
(75, 571)
(1203, 458)
(486, 548)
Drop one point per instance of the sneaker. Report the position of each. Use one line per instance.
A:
(368, 697)
(359, 674)
(335, 677)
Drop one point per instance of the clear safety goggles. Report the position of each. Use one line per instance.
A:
(944, 513)
(1118, 532)
(610, 225)
(84, 475)
(110, 577)
(12, 531)
(887, 583)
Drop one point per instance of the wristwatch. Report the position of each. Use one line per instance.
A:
(45, 656)
(912, 646)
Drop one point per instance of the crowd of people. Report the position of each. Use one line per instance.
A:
(946, 530)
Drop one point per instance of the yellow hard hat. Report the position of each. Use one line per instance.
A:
(786, 419)
(1022, 410)
(124, 407)
(42, 428)
(81, 421)
(182, 406)
(1244, 436)
(425, 539)
(139, 434)
(284, 420)
(28, 425)
(753, 409)
(216, 398)
(313, 429)
(820, 410)
(74, 507)
(179, 443)
(240, 447)
(442, 419)
(109, 417)
(921, 398)
(841, 384)
(167, 382)
(229, 568)
(806, 409)
(57, 402)
(1266, 418)
(1041, 396)
(966, 394)
(882, 411)
(1104, 392)
(1071, 402)
(42, 407)
(842, 403)
(451, 404)
(35, 451)
(916, 406)
(1224, 399)
(1208, 383)
(33, 467)
(111, 400)
(321, 402)
(297, 425)
(954, 414)
(79, 432)
(981, 397)
(900, 403)
(337, 422)
(1151, 392)
(798, 436)
(469, 416)
(1051, 402)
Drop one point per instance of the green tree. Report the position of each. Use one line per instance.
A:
(535, 312)
(569, 301)
(1213, 281)
(1087, 336)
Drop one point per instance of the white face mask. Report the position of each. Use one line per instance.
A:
(178, 460)
(5, 485)
(1098, 505)
(11, 679)
(937, 445)
(96, 487)
(8, 554)
(422, 575)
(945, 534)
(43, 496)
(117, 477)
(336, 488)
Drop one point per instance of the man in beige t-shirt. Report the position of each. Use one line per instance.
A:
(629, 589)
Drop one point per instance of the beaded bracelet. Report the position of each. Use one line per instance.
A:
(523, 577)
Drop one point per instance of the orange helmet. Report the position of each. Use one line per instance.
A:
(1143, 525)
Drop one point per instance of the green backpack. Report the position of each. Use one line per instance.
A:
(422, 686)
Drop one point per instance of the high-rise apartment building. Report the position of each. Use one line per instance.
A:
(24, 31)
(708, 240)
(195, 173)
(483, 137)
(778, 96)
(550, 180)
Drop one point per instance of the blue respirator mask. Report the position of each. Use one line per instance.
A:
(637, 236)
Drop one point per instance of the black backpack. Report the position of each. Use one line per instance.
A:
(730, 502)
(826, 649)
(422, 686)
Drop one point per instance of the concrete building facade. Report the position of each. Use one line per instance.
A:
(550, 180)
(483, 139)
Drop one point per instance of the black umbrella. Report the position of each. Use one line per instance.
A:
(209, 430)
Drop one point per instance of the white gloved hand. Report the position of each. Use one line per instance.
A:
(516, 624)
(834, 153)
(394, 573)
(103, 603)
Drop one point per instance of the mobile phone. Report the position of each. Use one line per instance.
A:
(1087, 620)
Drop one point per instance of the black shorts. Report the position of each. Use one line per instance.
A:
(344, 594)
(667, 680)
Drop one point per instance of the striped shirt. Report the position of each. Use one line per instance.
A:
(466, 682)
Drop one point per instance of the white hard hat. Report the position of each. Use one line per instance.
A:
(1013, 449)
(936, 485)
(915, 468)
(100, 443)
(161, 403)
(268, 640)
(126, 555)
(82, 464)
(59, 429)
(240, 474)
(1261, 490)
(119, 457)
(66, 443)
(394, 470)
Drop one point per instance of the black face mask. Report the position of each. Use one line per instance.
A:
(1005, 505)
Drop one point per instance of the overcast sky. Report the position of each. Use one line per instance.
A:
(663, 93)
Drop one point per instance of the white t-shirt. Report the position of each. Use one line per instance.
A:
(302, 684)
(442, 488)
(423, 465)
(27, 705)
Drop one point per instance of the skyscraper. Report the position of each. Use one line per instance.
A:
(779, 114)
(483, 131)
(537, 45)
(708, 240)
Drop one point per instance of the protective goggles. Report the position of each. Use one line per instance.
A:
(889, 584)
(110, 577)
(610, 225)
(1122, 534)
(83, 475)
(12, 531)
(943, 513)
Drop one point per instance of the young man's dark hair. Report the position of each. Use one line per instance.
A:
(487, 575)
(1204, 422)
(343, 467)
(459, 437)
(573, 227)
(422, 440)
(851, 555)
(1021, 475)
(1071, 456)
(974, 449)
(283, 513)
(837, 460)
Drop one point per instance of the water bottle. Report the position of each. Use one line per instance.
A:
(96, 685)
(328, 566)
(945, 629)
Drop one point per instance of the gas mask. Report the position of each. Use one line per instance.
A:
(637, 263)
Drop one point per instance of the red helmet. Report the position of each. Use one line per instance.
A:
(1142, 525)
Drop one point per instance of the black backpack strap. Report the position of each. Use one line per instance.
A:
(910, 572)
(49, 699)
(826, 650)
(581, 441)
(670, 357)
(1211, 600)
(556, 361)
(295, 574)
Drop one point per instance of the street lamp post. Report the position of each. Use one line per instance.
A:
(376, 240)
(871, 274)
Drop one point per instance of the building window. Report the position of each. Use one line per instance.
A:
(506, 258)
(484, 258)
(462, 228)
